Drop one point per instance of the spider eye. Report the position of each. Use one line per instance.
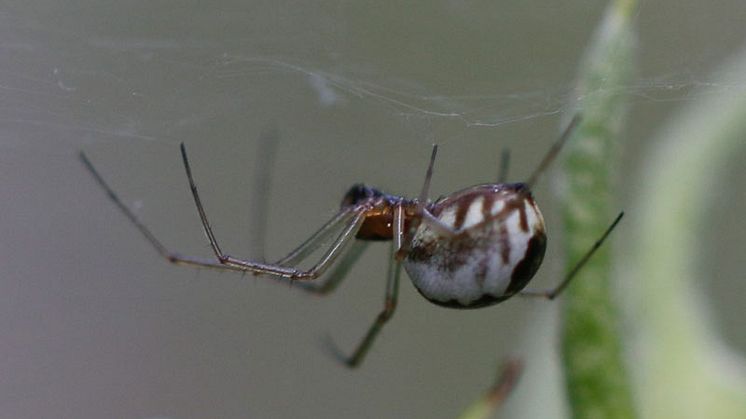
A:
(359, 192)
(353, 195)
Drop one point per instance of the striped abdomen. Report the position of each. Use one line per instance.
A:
(499, 245)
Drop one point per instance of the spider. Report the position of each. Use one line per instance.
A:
(473, 248)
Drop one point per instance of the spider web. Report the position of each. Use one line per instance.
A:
(487, 109)
(109, 105)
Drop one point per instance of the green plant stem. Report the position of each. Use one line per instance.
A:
(592, 356)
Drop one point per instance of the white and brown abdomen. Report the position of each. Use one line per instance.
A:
(499, 245)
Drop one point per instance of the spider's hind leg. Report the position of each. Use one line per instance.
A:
(554, 292)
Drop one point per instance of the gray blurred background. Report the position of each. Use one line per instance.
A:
(93, 324)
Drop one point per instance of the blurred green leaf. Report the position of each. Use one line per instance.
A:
(596, 377)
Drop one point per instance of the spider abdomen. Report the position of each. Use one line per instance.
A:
(498, 246)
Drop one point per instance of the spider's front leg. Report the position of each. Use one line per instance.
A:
(164, 252)
(333, 278)
(352, 218)
(280, 270)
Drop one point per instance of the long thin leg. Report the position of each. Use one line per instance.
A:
(428, 177)
(262, 268)
(392, 295)
(433, 222)
(225, 262)
(502, 175)
(327, 259)
(425, 215)
(200, 208)
(266, 150)
(398, 228)
(389, 306)
(316, 239)
(145, 231)
(340, 271)
(553, 293)
(552, 153)
(347, 234)
(334, 251)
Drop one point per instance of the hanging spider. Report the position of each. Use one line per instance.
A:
(473, 248)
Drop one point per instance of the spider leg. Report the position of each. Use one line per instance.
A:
(427, 217)
(289, 273)
(335, 277)
(276, 269)
(552, 153)
(145, 231)
(335, 250)
(440, 227)
(316, 239)
(389, 306)
(502, 175)
(392, 295)
(554, 292)
(225, 262)
(200, 208)
(428, 176)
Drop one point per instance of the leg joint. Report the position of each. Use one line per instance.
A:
(388, 311)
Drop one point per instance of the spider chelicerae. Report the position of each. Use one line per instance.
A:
(473, 248)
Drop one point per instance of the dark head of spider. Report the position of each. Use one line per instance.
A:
(378, 209)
